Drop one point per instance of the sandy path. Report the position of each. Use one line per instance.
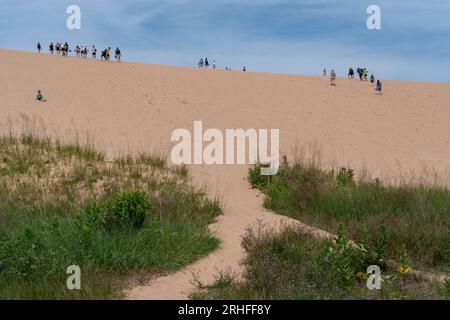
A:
(130, 108)
(243, 208)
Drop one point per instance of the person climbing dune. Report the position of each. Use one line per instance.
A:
(333, 78)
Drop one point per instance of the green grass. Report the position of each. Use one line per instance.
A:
(292, 265)
(416, 215)
(399, 228)
(65, 204)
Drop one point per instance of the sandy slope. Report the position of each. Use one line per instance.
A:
(132, 107)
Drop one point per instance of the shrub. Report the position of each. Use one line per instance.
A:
(125, 209)
(345, 177)
(256, 179)
(374, 253)
(131, 208)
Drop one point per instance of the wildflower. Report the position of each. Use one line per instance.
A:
(403, 269)
(361, 276)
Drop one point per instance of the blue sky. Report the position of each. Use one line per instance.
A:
(283, 36)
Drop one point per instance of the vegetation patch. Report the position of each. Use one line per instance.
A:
(416, 216)
(293, 265)
(66, 204)
(398, 228)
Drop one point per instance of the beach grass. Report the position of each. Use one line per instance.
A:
(64, 204)
(416, 215)
(402, 228)
(294, 265)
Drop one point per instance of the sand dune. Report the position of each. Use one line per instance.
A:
(132, 107)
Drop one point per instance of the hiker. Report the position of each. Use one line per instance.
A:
(366, 73)
(214, 64)
(372, 79)
(94, 52)
(351, 73)
(58, 47)
(333, 78)
(360, 73)
(206, 63)
(324, 73)
(77, 51)
(244, 69)
(39, 96)
(85, 52)
(51, 48)
(103, 56)
(117, 54)
(108, 55)
(38, 47)
(66, 49)
(379, 87)
(200, 63)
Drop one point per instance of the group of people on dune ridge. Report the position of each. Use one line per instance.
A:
(363, 74)
(205, 64)
(80, 51)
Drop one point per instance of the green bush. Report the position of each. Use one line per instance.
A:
(131, 208)
(125, 209)
(345, 176)
(256, 179)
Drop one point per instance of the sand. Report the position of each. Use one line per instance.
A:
(131, 107)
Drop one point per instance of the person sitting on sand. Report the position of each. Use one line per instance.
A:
(379, 87)
(40, 97)
(333, 78)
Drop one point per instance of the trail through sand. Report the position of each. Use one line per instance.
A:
(131, 108)
(243, 208)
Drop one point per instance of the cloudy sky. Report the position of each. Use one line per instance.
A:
(283, 36)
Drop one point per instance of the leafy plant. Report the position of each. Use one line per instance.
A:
(131, 208)
(256, 179)
(345, 177)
